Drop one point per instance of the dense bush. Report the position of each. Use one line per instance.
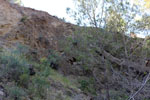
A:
(13, 65)
(15, 68)
(16, 93)
(87, 86)
(39, 87)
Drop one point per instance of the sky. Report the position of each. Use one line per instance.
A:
(53, 7)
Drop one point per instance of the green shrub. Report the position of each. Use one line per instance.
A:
(54, 57)
(39, 86)
(51, 61)
(24, 80)
(84, 85)
(24, 18)
(87, 86)
(16, 93)
(13, 65)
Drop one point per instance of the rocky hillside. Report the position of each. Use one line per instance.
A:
(34, 28)
(40, 32)
(44, 58)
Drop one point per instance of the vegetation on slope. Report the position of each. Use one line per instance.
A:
(101, 62)
(80, 67)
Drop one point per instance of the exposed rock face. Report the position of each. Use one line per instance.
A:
(31, 27)
(8, 17)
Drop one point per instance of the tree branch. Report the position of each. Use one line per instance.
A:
(123, 62)
(142, 86)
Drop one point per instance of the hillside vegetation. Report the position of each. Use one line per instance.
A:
(86, 67)
(44, 58)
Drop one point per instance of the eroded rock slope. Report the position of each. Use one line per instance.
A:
(36, 29)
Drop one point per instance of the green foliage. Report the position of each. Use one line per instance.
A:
(24, 18)
(87, 86)
(14, 65)
(16, 93)
(84, 50)
(117, 95)
(84, 85)
(90, 40)
(24, 80)
(45, 62)
(39, 86)
(62, 79)
(53, 57)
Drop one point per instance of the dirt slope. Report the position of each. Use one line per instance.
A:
(31, 27)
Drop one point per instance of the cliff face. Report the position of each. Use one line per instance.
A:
(34, 28)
